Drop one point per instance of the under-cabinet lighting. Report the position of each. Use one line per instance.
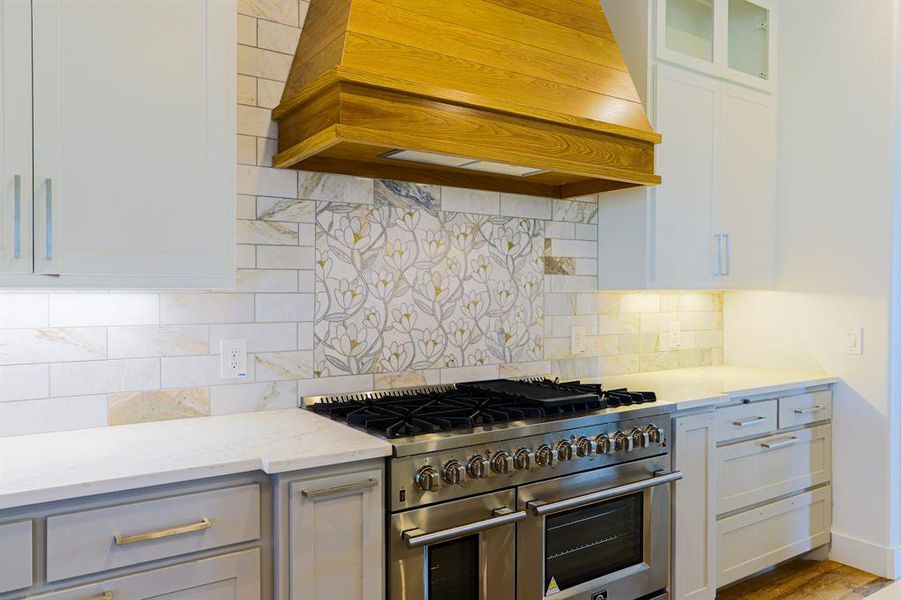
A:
(449, 160)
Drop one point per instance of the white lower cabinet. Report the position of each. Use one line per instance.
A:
(235, 576)
(331, 544)
(694, 500)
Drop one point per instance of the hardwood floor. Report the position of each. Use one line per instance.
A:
(807, 580)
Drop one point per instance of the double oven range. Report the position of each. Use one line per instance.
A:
(521, 489)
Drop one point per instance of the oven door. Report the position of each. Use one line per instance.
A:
(460, 550)
(602, 531)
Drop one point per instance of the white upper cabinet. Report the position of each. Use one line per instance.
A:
(133, 143)
(727, 38)
(15, 136)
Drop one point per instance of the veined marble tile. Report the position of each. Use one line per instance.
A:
(620, 364)
(585, 211)
(389, 381)
(306, 281)
(158, 405)
(247, 90)
(149, 341)
(245, 206)
(283, 209)
(561, 325)
(334, 188)
(247, 30)
(574, 248)
(284, 307)
(559, 304)
(475, 373)
(610, 324)
(323, 386)
(269, 93)
(477, 202)
(79, 310)
(24, 382)
(586, 232)
(708, 338)
(575, 368)
(266, 147)
(530, 207)
(275, 366)
(101, 377)
(559, 265)
(189, 308)
(639, 343)
(195, 371)
(255, 121)
(560, 230)
(597, 303)
(586, 266)
(245, 256)
(249, 397)
(23, 310)
(278, 37)
(261, 337)
(266, 280)
(267, 232)
(19, 346)
(264, 181)
(305, 335)
(405, 194)
(52, 414)
(281, 11)
(267, 64)
(571, 283)
(640, 303)
(538, 368)
(286, 257)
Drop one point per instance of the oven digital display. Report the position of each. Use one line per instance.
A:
(593, 541)
(454, 569)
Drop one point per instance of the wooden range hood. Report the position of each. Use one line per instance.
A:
(523, 96)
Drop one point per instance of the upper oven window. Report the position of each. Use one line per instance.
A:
(592, 541)
(454, 569)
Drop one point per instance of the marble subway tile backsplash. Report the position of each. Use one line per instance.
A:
(344, 284)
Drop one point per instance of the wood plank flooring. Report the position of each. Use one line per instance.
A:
(807, 580)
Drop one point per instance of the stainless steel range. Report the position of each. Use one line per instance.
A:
(521, 489)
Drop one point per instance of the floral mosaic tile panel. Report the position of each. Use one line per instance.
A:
(400, 289)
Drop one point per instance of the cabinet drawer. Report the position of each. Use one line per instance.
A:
(766, 468)
(90, 541)
(743, 420)
(805, 408)
(15, 555)
(235, 576)
(762, 537)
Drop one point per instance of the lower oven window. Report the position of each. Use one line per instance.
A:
(589, 542)
(454, 569)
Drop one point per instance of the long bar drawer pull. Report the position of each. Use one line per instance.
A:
(749, 422)
(103, 596)
(779, 443)
(124, 540)
(339, 489)
(416, 538)
(809, 409)
(539, 507)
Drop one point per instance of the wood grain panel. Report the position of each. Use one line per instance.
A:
(482, 82)
(377, 20)
(503, 22)
(326, 22)
(321, 112)
(575, 15)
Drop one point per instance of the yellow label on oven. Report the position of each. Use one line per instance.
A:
(552, 587)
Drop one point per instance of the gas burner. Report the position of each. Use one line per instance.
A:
(613, 398)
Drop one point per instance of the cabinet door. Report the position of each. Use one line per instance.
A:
(748, 48)
(134, 138)
(15, 136)
(682, 233)
(745, 187)
(336, 543)
(235, 576)
(694, 500)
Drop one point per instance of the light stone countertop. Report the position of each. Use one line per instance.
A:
(706, 386)
(70, 464)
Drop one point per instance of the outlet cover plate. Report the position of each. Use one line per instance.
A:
(233, 359)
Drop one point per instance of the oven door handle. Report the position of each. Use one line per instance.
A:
(540, 508)
(416, 538)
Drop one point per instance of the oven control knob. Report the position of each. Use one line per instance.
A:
(623, 442)
(524, 459)
(604, 445)
(545, 456)
(640, 438)
(585, 446)
(427, 479)
(454, 472)
(477, 467)
(655, 434)
(565, 450)
(502, 463)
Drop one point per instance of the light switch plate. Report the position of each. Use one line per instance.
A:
(233, 359)
(853, 341)
(578, 341)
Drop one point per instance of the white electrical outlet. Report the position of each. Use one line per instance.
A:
(675, 334)
(578, 342)
(233, 359)
(853, 341)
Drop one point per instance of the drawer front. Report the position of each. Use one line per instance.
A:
(97, 540)
(235, 576)
(762, 537)
(743, 420)
(16, 552)
(765, 468)
(805, 408)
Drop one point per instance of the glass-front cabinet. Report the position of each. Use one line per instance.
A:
(732, 39)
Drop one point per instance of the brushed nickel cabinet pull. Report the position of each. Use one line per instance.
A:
(810, 409)
(17, 216)
(779, 442)
(339, 489)
(123, 540)
(749, 422)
